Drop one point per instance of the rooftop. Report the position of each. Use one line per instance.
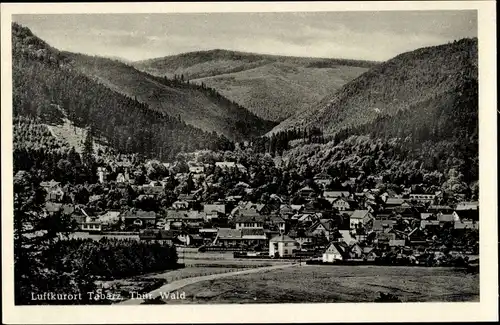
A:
(282, 239)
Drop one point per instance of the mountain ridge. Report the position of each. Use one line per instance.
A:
(271, 86)
(404, 81)
(47, 86)
(195, 105)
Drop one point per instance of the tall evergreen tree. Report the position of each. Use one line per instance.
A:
(88, 147)
(36, 232)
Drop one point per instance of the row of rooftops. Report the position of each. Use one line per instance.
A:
(332, 196)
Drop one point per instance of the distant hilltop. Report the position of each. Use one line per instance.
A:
(271, 86)
(425, 83)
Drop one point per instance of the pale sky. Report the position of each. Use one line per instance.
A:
(353, 35)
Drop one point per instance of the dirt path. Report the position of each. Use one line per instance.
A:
(176, 285)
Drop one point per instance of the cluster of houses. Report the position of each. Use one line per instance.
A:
(351, 225)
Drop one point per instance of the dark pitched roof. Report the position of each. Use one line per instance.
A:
(50, 184)
(359, 214)
(397, 242)
(306, 189)
(79, 219)
(322, 175)
(368, 249)
(445, 217)
(381, 224)
(341, 247)
(435, 207)
(427, 216)
(260, 207)
(243, 211)
(286, 209)
(228, 233)
(277, 219)
(210, 208)
(300, 234)
(394, 201)
(195, 215)
(186, 197)
(174, 214)
(252, 232)
(283, 238)
(334, 194)
(326, 223)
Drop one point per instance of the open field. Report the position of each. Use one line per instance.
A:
(322, 284)
(148, 282)
(156, 296)
(306, 283)
(196, 265)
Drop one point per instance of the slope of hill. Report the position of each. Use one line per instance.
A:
(45, 82)
(195, 105)
(412, 120)
(273, 87)
(417, 81)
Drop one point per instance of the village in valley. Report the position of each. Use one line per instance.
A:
(226, 176)
(325, 220)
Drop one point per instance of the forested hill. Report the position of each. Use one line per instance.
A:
(196, 104)
(47, 86)
(411, 120)
(419, 87)
(271, 86)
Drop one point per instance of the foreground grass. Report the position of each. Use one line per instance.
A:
(195, 268)
(337, 284)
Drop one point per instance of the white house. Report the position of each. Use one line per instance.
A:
(282, 246)
(337, 251)
(90, 224)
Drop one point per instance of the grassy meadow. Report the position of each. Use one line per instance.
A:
(326, 284)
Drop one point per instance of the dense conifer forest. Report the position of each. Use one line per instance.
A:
(47, 87)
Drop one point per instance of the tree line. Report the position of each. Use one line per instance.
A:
(45, 260)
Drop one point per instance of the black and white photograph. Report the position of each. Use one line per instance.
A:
(247, 158)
